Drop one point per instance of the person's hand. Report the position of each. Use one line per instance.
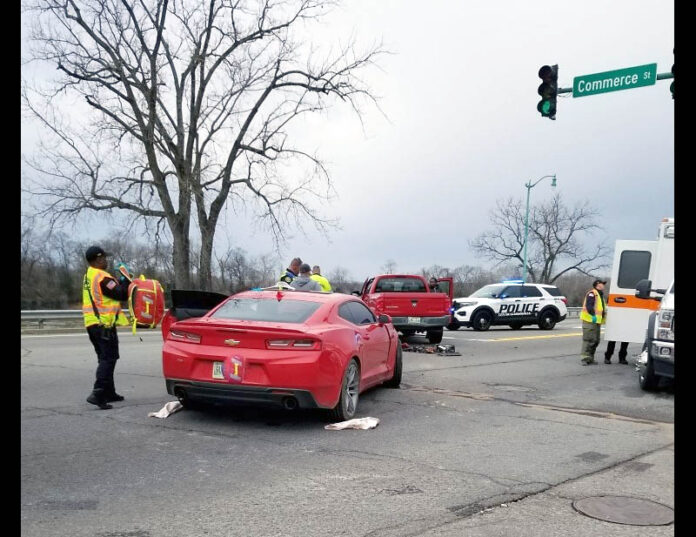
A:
(123, 268)
(594, 318)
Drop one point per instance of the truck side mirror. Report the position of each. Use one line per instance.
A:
(643, 288)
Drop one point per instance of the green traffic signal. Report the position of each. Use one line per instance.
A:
(671, 86)
(548, 91)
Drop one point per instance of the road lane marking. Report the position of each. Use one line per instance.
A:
(574, 334)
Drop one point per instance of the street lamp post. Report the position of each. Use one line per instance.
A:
(529, 186)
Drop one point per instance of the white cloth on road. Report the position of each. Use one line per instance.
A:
(356, 423)
(166, 410)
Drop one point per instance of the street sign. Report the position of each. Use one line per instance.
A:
(620, 79)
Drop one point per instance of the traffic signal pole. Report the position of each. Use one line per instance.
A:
(589, 85)
(659, 76)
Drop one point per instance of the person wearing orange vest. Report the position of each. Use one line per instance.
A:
(101, 308)
(593, 315)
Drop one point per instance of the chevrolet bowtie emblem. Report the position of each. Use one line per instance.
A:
(232, 342)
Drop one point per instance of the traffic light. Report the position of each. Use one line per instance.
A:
(671, 86)
(548, 91)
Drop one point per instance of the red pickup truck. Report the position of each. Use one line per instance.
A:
(410, 302)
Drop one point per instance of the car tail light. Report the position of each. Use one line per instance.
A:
(565, 300)
(310, 344)
(188, 337)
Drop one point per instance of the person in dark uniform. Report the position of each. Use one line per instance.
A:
(101, 308)
(623, 352)
(432, 283)
(291, 272)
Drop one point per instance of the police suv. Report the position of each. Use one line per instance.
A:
(510, 303)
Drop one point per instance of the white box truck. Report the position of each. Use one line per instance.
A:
(636, 260)
(657, 358)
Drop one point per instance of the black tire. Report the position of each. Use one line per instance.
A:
(482, 321)
(453, 326)
(647, 379)
(406, 333)
(548, 319)
(515, 326)
(434, 336)
(350, 391)
(395, 381)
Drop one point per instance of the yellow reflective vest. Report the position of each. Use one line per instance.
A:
(325, 285)
(599, 308)
(110, 313)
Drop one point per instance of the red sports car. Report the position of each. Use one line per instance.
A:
(287, 348)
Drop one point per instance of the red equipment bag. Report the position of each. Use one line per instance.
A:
(145, 302)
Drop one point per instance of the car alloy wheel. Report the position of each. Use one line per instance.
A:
(482, 321)
(547, 320)
(350, 392)
(395, 381)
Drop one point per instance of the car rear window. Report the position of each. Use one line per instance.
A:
(553, 291)
(400, 285)
(264, 309)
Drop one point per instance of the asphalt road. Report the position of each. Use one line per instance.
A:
(498, 441)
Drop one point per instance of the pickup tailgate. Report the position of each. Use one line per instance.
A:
(410, 304)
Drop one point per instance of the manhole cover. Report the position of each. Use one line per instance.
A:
(625, 510)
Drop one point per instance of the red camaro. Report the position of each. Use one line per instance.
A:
(288, 348)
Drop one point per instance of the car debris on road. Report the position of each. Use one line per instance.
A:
(166, 410)
(355, 423)
(441, 350)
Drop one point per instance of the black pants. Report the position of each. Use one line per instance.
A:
(105, 341)
(623, 350)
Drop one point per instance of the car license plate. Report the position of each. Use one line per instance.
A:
(415, 320)
(217, 371)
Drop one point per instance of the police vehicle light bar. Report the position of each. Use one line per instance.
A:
(512, 281)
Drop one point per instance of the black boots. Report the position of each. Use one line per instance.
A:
(98, 398)
(114, 397)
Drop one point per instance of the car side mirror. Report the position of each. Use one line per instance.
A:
(643, 288)
(384, 319)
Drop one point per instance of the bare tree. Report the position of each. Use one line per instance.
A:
(342, 281)
(556, 239)
(188, 107)
(389, 267)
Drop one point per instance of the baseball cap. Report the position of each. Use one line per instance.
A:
(598, 281)
(95, 251)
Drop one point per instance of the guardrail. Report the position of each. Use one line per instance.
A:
(41, 316)
(574, 312)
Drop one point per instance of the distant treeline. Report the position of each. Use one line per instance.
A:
(52, 268)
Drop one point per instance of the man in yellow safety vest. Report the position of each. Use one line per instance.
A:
(317, 277)
(593, 315)
(101, 309)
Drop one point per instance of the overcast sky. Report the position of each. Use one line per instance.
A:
(462, 130)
